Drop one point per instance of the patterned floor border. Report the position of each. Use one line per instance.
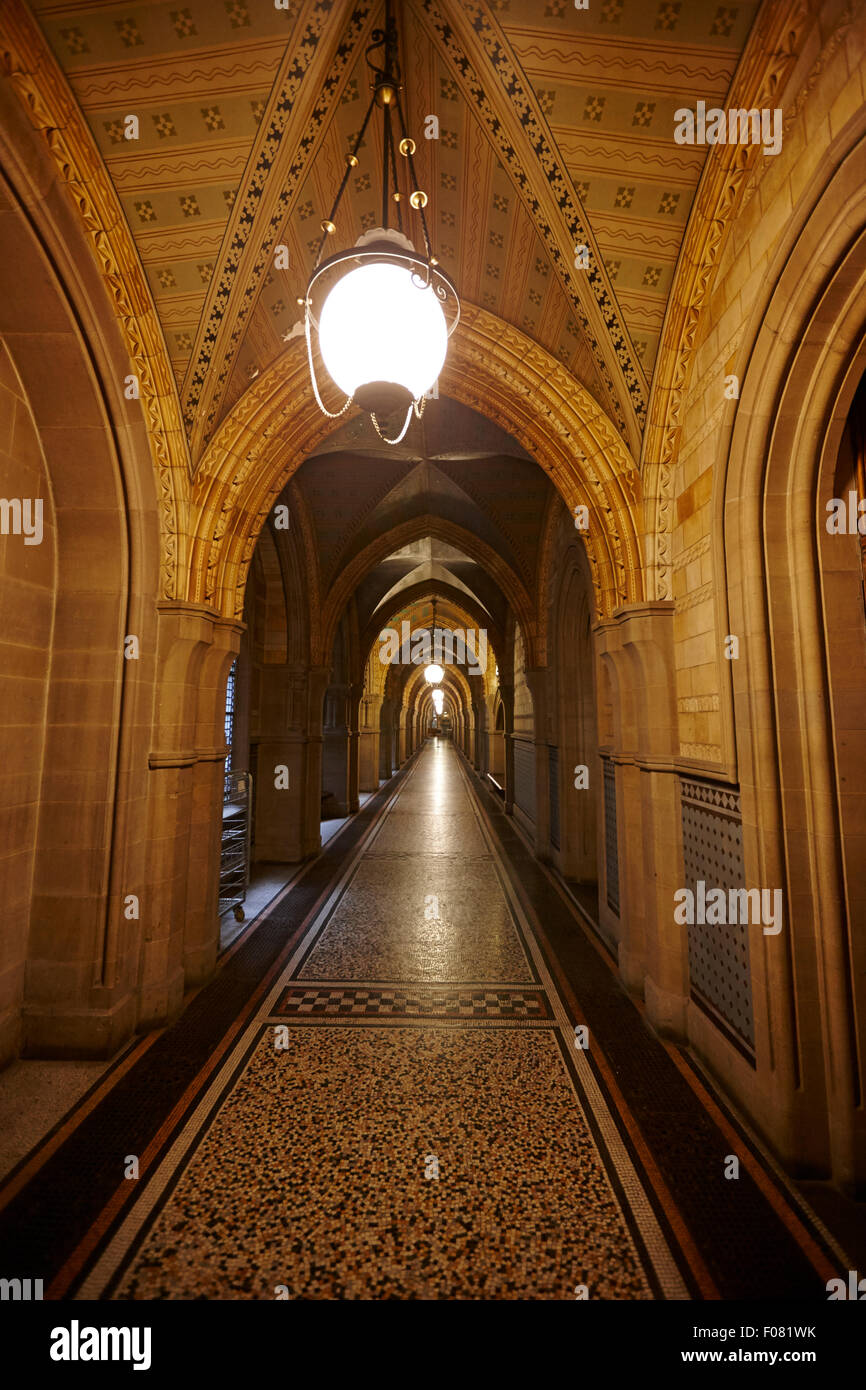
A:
(380, 1002)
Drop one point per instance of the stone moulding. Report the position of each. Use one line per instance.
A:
(769, 58)
(561, 424)
(305, 94)
(45, 95)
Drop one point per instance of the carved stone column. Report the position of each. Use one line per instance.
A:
(506, 693)
(386, 739)
(353, 746)
(653, 950)
(479, 752)
(201, 931)
(369, 729)
(179, 910)
(537, 680)
(336, 769)
(282, 770)
(311, 838)
(402, 735)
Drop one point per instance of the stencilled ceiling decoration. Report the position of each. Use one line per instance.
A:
(198, 79)
(608, 80)
(555, 129)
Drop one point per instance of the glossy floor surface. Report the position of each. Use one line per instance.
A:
(391, 1090)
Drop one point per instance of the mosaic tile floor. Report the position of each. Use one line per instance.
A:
(381, 1095)
(408, 1116)
(352, 1173)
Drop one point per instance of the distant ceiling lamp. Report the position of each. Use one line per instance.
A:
(438, 700)
(434, 672)
(384, 311)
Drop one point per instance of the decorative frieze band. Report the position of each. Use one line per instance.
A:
(721, 798)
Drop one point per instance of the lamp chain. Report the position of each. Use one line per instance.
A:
(384, 438)
(409, 149)
(386, 93)
(351, 162)
(331, 414)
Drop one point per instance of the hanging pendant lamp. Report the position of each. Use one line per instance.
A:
(433, 673)
(382, 311)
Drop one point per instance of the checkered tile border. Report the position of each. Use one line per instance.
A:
(413, 1003)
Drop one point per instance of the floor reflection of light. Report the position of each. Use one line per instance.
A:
(433, 930)
(439, 778)
(434, 938)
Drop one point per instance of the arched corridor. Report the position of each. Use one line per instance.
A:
(433, 651)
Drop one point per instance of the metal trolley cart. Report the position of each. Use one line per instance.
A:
(235, 858)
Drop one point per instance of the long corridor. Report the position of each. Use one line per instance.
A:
(407, 1101)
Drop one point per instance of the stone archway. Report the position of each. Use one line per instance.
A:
(492, 368)
(799, 738)
(576, 798)
(76, 968)
(458, 612)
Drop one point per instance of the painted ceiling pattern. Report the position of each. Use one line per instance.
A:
(555, 126)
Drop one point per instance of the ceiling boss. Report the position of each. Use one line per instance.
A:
(382, 311)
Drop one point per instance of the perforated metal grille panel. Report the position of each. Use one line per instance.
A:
(719, 969)
(553, 764)
(611, 847)
(524, 777)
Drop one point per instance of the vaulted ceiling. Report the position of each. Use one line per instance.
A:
(555, 129)
(359, 500)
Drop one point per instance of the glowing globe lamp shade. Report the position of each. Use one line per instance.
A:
(433, 674)
(438, 700)
(380, 328)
